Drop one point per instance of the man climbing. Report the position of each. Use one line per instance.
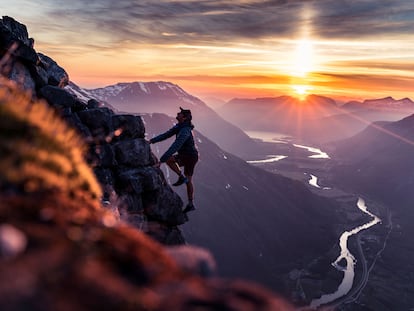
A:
(182, 152)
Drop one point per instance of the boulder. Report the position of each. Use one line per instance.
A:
(93, 103)
(20, 73)
(133, 152)
(102, 154)
(73, 120)
(164, 206)
(56, 75)
(17, 30)
(130, 126)
(59, 98)
(14, 40)
(99, 121)
(131, 204)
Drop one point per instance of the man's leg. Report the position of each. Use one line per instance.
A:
(190, 189)
(190, 194)
(188, 171)
(172, 164)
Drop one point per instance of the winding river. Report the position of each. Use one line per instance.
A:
(346, 261)
(270, 159)
(313, 181)
(345, 255)
(319, 154)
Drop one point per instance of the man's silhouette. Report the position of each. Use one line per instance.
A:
(182, 152)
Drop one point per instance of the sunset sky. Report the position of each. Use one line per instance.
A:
(226, 48)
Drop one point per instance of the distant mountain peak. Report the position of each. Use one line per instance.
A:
(382, 103)
(158, 89)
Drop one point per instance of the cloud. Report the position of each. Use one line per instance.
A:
(215, 20)
(366, 81)
(359, 19)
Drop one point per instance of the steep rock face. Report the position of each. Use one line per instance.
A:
(121, 157)
(60, 250)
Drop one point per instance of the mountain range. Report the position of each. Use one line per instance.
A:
(316, 119)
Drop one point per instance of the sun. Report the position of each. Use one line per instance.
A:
(301, 91)
(303, 62)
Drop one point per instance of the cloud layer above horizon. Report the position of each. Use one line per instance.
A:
(203, 32)
(181, 21)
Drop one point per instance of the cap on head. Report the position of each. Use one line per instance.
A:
(186, 113)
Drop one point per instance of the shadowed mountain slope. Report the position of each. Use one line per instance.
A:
(378, 163)
(249, 217)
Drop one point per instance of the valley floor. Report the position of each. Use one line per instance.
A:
(371, 288)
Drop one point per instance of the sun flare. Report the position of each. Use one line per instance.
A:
(301, 91)
(303, 61)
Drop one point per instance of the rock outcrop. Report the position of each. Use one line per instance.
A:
(59, 248)
(118, 152)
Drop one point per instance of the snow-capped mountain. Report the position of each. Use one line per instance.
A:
(123, 92)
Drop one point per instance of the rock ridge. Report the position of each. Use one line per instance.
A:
(117, 150)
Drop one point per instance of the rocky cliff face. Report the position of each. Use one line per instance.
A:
(121, 157)
(59, 249)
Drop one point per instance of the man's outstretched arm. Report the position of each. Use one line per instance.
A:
(179, 141)
(163, 136)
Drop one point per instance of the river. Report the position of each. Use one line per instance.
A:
(313, 181)
(270, 159)
(346, 261)
(349, 268)
(319, 154)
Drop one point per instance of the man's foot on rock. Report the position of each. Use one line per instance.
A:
(190, 207)
(181, 180)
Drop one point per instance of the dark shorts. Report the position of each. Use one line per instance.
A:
(188, 161)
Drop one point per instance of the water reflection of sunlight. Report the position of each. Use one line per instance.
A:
(271, 158)
(319, 153)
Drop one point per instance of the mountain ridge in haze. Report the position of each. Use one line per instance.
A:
(381, 103)
(316, 119)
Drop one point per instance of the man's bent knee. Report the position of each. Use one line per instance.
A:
(170, 160)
